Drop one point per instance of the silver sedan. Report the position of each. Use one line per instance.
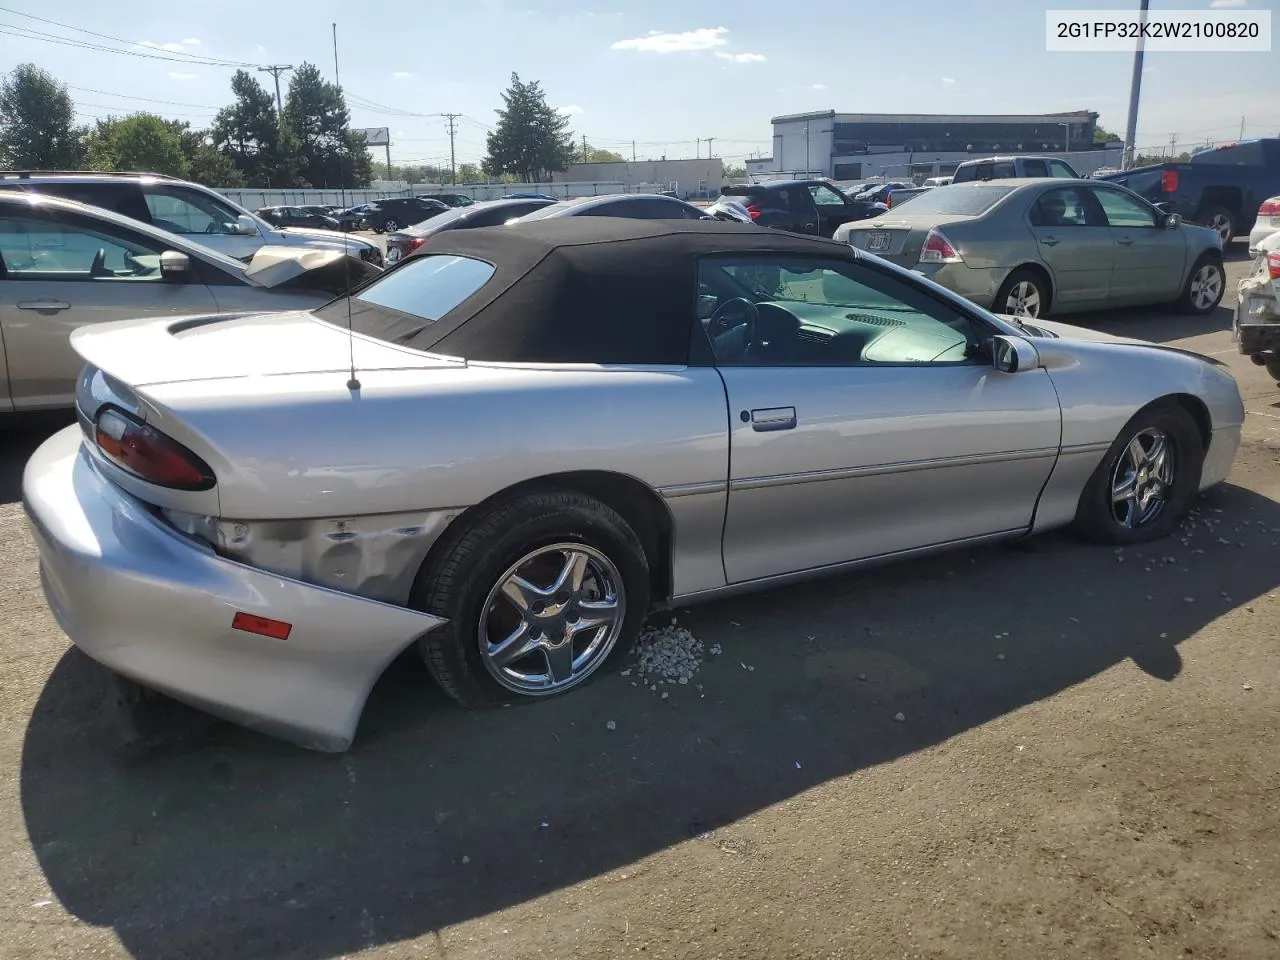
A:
(509, 447)
(1031, 248)
(65, 264)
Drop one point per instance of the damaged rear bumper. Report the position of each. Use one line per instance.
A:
(157, 607)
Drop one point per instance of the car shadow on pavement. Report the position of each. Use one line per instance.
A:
(228, 844)
(1140, 323)
(20, 434)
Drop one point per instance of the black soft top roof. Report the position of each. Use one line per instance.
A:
(580, 289)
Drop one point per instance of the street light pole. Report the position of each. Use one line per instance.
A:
(1135, 88)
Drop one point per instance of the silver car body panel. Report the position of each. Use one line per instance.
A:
(157, 607)
(329, 497)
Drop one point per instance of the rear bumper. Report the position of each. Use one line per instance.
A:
(977, 284)
(156, 607)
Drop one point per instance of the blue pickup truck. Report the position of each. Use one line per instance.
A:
(1221, 187)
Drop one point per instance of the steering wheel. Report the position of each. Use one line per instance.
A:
(99, 266)
(732, 327)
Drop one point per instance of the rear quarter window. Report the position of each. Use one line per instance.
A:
(427, 287)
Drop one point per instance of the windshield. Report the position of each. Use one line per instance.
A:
(963, 200)
(435, 223)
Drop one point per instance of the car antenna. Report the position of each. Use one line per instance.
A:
(353, 383)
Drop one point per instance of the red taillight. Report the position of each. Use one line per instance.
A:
(414, 244)
(888, 200)
(262, 626)
(754, 211)
(1273, 265)
(148, 454)
(938, 249)
(1169, 181)
(1270, 208)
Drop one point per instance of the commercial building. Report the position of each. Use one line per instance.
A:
(853, 146)
(688, 178)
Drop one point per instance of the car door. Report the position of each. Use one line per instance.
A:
(1150, 261)
(833, 208)
(862, 421)
(200, 217)
(64, 271)
(1075, 243)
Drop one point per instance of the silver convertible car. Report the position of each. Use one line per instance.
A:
(1041, 246)
(510, 446)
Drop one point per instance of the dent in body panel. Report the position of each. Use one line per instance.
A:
(697, 520)
(1061, 494)
(376, 557)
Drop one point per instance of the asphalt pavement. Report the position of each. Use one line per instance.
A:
(1038, 750)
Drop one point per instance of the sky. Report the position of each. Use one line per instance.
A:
(665, 74)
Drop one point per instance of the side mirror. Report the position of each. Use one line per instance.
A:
(246, 226)
(1172, 221)
(174, 266)
(1013, 354)
(1162, 206)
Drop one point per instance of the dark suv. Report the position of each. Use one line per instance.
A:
(800, 206)
(390, 214)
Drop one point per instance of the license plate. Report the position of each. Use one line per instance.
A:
(393, 255)
(877, 240)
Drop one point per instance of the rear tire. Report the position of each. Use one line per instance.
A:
(1220, 219)
(1137, 493)
(391, 225)
(1024, 293)
(1205, 286)
(522, 542)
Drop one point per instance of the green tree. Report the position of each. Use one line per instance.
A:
(329, 153)
(1102, 135)
(596, 155)
(470, 173)
(207, 164)
(735, 173)
(139, 141)
(36, 122)
(530, 139)
(250, 134)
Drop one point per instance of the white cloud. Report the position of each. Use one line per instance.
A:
(742, 57)
(182, 76)
(572, 109)
(655, 41)
(402, 74)
(260, 49)
(191, 42)
(817, 86)
(1229, 3)
(948, 80)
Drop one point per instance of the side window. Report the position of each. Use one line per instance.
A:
(1064, 207)
(1034, 168)
(824, 196)
(1002, 170)
(1124, 211)
(803, 311)
(1059, 169)
(609, 210)
(39, 249)
(188, 211)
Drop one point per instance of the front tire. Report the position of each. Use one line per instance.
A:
(391, 225)
(1205, 286)
(1024, 293)
(539, 592)
(1144, 486)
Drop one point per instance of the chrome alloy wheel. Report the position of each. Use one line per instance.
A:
(1142, 479)
(552, 619)
(1222, 223)
(1206, 286)
(1023, 300)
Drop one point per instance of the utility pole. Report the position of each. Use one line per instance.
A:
(584, 148)
(697, 149)
(1242, 128)
(275, 71)
(1135, 88)
(450, 118)
(1173, 145)
(633, 151)
(709, 139)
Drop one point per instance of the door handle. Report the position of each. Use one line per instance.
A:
(1125, 241)
(772, 418)
(48, 303)
(1050, 241)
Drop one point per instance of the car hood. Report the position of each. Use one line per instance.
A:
(273, 266)
(312, 237)
(1052, 329)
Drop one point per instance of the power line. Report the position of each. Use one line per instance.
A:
(126, 96)
(275, 70)
(28, 34)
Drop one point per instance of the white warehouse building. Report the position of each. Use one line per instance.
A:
(857, 146)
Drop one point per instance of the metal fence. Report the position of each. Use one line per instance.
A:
(255, 199)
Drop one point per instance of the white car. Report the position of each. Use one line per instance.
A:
(936, 182)
(1268, 222)
(188, 209)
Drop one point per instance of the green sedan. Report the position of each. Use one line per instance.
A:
(1034, 247)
